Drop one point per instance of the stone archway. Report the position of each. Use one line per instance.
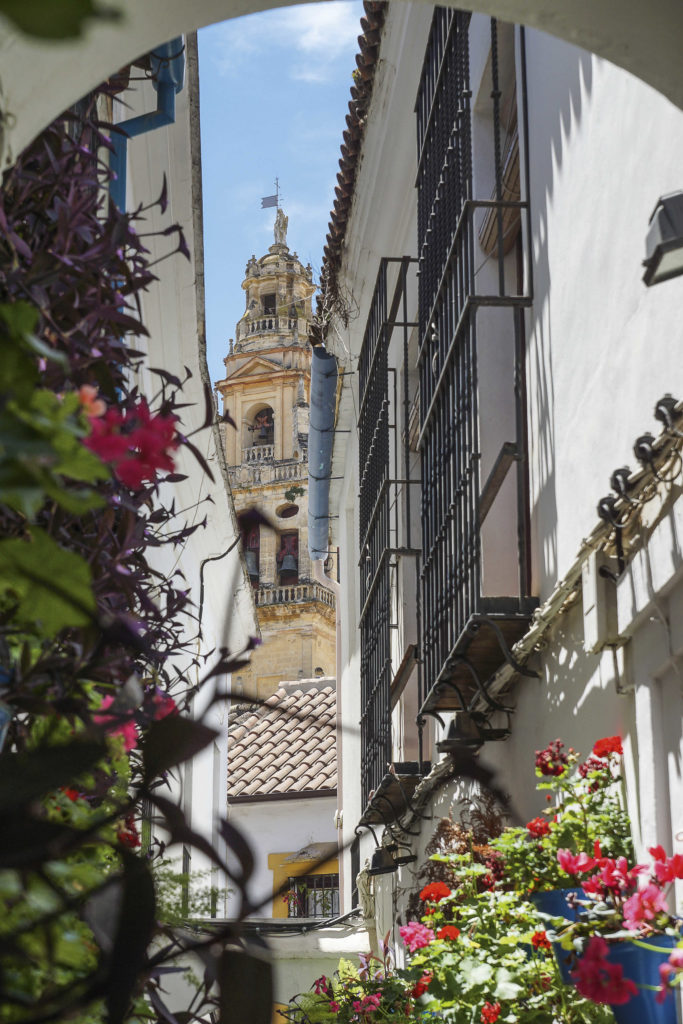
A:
(39, 80)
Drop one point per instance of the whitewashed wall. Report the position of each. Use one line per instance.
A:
(602, 349)
(173, 311)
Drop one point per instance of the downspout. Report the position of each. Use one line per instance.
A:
(324, 379)
(167, 64)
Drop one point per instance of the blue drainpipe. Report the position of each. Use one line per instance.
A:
(168, 77)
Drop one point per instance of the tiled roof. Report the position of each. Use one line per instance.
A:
(288, 745)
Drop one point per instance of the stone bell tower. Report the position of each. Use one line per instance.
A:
(266, 391)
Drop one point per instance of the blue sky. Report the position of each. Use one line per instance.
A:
(274, 91)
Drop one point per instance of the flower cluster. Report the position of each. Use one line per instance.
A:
(599, 980)
(553, 760)
(135, 442)
(670, 974)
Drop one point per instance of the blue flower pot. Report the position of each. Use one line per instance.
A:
(554, 902)
(642, 966)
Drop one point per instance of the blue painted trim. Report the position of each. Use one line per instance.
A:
(168, 70)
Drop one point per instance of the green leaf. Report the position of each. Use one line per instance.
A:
(172, 740)
(506, 988)
(50, 585)
(47, 19)
(134, 929)
(29, 775)
(475, 972)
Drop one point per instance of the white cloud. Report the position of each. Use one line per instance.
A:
(315, 34)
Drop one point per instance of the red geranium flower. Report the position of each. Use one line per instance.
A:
(552, 760)
(421, 986)
(448, 931)
(608, 745)
(127, 835)
(490, 1012)
(599, 980)
(538, 827)
(539, 940)
(435, 891)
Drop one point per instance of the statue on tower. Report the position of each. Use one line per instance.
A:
(280, 230)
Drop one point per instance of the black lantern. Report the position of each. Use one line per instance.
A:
(664, 240)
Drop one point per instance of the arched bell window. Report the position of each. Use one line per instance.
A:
(251, 543)
(287, 558)
(263, 427)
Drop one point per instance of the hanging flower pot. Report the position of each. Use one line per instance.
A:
(554, 902)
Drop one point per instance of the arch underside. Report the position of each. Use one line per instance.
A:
(643, 38)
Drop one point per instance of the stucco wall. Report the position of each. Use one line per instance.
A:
(279, 826)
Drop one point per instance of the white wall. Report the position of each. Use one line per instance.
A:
(602, 347)
(173, 312)
(279, 826)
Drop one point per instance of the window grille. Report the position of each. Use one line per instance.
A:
(380, 483)
(470, 299)
(313, 896)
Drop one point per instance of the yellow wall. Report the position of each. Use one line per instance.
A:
(282, 871)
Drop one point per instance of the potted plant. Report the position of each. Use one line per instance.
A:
(487, 954)
(626, 934)
(582, 809)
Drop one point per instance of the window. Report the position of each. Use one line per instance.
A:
(475, 578)
(269, 304)
(313, 896)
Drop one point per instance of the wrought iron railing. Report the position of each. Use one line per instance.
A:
(381, 485)
(462, 309)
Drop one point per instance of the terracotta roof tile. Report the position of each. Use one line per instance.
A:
(287, 746)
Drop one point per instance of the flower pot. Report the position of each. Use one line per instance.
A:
(642, 966)
(554, 901)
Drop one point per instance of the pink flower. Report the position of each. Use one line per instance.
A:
(137, 443)
(118, 725)
(416, 935)
(643, 906)
(162, 705)
(599, 980)
(657, 852)
(674, 965)
(574, 864)
(334, 1007)
(320, 985)
(668, 868)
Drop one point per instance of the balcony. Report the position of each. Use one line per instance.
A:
(476, 598)
(295, 593)
(271, 324)
(258, 453)
(264, 470)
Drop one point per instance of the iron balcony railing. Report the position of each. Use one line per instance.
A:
(384, 482)
(472, 429)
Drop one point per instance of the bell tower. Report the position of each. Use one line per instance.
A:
(266, 392)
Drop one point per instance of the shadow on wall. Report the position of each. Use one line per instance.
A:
(559, 77)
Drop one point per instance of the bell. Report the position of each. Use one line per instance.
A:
(289, 564)
(252, 564)
(382, 862)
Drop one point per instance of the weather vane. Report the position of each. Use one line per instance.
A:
(267, 201)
